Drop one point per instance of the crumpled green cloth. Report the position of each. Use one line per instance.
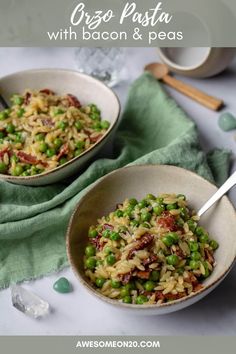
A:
(153, 130)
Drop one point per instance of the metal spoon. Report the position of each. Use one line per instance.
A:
(161, 72)
(231, 181)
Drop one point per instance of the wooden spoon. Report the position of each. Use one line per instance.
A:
(161, 72)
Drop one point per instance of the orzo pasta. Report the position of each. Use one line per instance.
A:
(42, 131)
(151, 251)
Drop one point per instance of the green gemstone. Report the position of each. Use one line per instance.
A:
(62, 286)
(227, 122)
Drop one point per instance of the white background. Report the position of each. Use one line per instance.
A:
(79, 313)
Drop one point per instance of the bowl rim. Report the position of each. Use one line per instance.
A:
(117, 303)
(110, 129)
(183, 68)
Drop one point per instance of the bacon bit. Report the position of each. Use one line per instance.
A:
(73, 101)
(198, 287)
(63, 151)
(48, 122)
(143, 274)
(27, 98)
(4, 151)
(47, 91)
(125, 278)
(96, 242)
(168, 221)
(174, 296)
(153, 258)
(144, 241)
(108, 227)
(209, 256)
(94, 139)
(27, 158)
(191, 279)
(179, 252)
(159, 295)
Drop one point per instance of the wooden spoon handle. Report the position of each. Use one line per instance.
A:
(208, 101)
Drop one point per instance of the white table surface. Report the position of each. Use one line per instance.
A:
(79, 313)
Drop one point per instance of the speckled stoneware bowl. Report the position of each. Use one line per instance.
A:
(87, 89)
(137, 181)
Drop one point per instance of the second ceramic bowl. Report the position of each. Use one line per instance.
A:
(87, 89)
(137, 181)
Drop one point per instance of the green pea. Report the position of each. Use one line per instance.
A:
(214, 244)
(155, 275)
(150, 197)
(62, 125)
(141, 299)
(115, 236)
(160, 200)
(94, 116)
(80, 144)
(10, 128)
(97, 126)
(18, 138)
(78, 152)
(149, 285)
(57, 143)
(105, 124)
(133, 202)
(194, 264)
(174, 236)
(58, 111)
(90, 251)
(124, 292)
(193, 246)
(39, 137)
(78, 125)
(51, 152)
(180, 271)
(199, 231)
(3, 167)
(146, 216)
(142, 204)
(172, 259)
(168, 240)
(93, 233)
(20, 113)
(207, 271)
(90, 263)
(196, 256)
(158, 210)
(107, 250)
(94, 108)
(18, 100)
(26, 173)
(43, 147)
(111, 259)
(181, 196)
(184, 213)
(100, 282)
(119, 213)
(34, 171)
(106, 233)
(62, 160)
(14, 158)
(115, 284)
(130, 286)
(180, 222)
(146, 225)
(134, 223)
(127, 299)
(204, 238)
(2, 135)
(192, 225)
(4, 115)
(128, 213)
(172, 206)
(18, 170)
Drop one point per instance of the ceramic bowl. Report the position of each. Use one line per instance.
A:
(137, 181)
(197, 62)
(87, 89)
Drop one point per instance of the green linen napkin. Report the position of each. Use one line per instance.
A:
(33, 220)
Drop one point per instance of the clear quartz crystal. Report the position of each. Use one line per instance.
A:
(28, 303)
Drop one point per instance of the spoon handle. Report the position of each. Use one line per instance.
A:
(208, 101)
(231, 181)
